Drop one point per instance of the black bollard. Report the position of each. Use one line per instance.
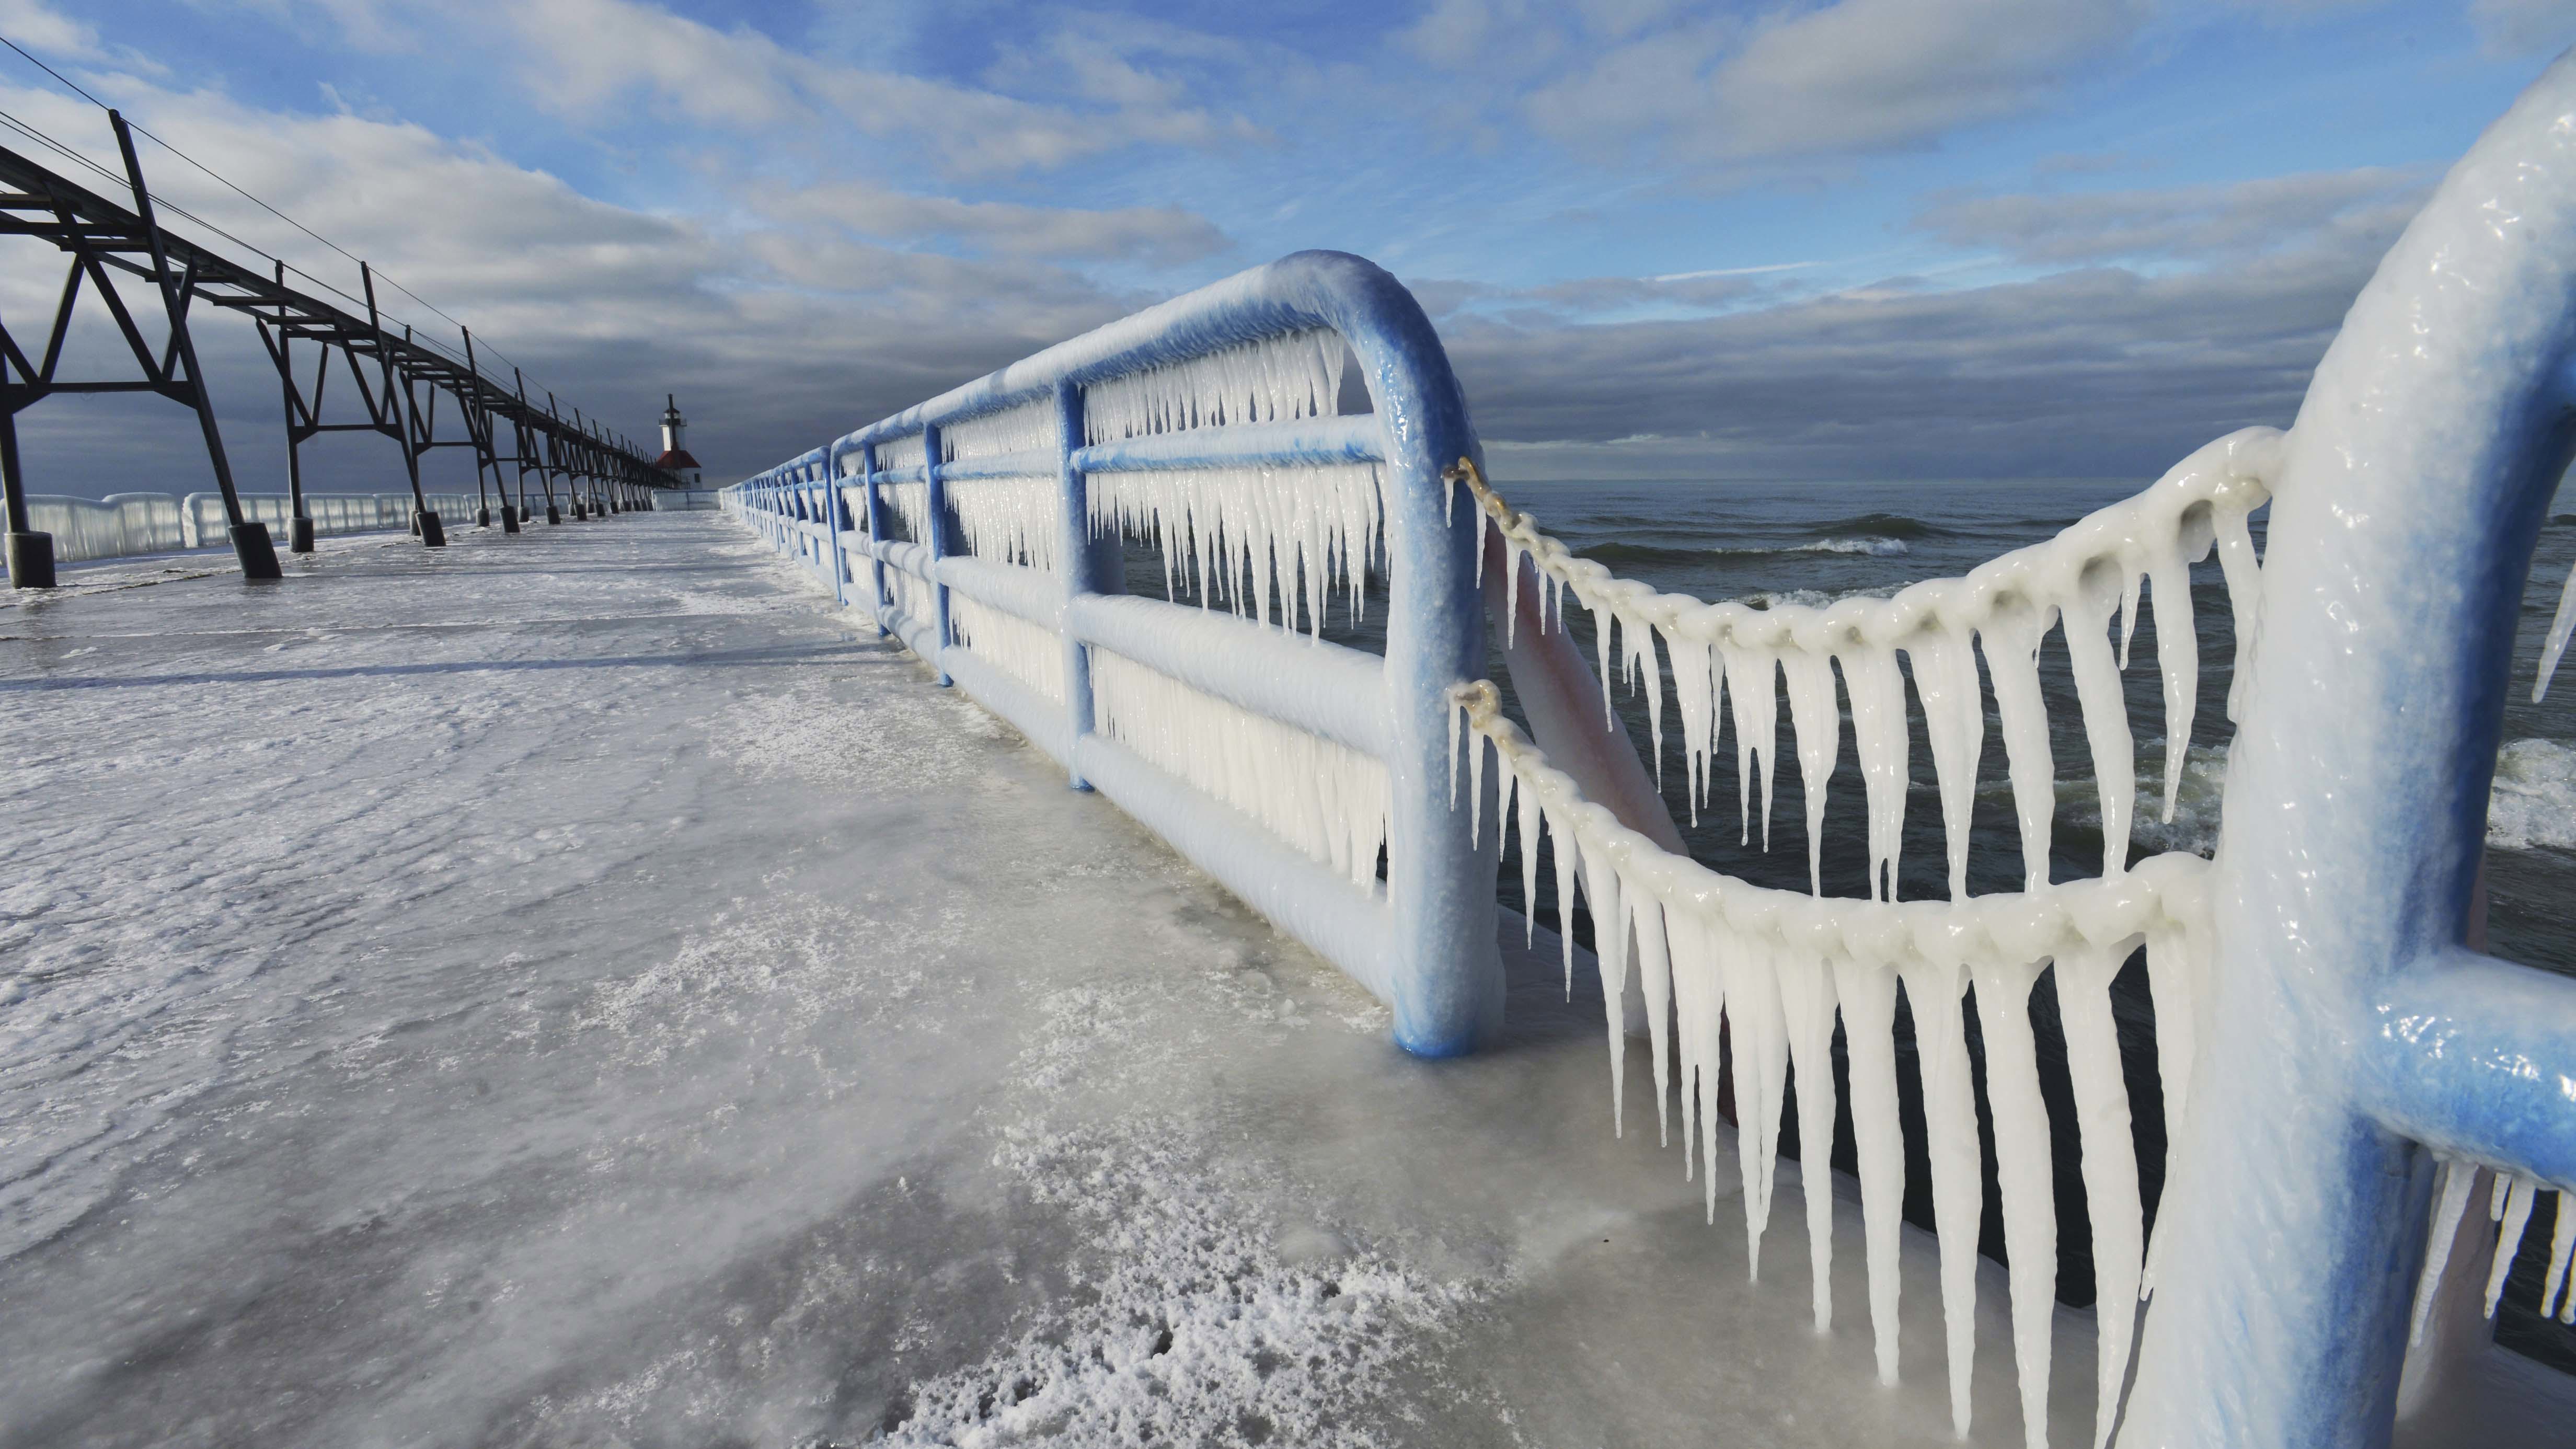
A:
(433, 533)
(553, 514)
(299, 536)
(509, 520)
(482, 518)
(31, 560)
(256, 551)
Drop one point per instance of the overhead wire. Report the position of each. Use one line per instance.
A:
(39, 136)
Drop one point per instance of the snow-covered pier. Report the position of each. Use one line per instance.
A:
(581, 987)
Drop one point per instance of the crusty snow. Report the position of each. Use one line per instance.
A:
(578, 989)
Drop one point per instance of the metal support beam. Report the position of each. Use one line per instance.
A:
(252, 547)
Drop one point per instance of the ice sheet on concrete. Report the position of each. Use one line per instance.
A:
(576, 989)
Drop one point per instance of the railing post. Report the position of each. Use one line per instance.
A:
(2347, 1020)
(936, 488)
(837, 514)
(874, 502)
(1074, 559)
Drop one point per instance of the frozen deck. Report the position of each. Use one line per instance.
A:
(575, 988)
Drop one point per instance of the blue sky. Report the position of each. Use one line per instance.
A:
(1860, 238)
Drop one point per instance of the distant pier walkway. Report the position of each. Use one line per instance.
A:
(578, 989)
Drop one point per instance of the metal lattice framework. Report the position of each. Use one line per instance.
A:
(599, 473)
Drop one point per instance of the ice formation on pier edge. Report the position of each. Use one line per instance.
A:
(1783, 968)
(1326, 799)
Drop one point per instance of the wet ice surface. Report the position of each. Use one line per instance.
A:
(575, 989)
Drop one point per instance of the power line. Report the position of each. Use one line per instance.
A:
(234, 187)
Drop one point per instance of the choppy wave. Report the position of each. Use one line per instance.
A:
(1890, 526)
(1617, 553)
(2533, 806)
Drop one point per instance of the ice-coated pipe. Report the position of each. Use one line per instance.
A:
(1081, 577)
(2348, 1022)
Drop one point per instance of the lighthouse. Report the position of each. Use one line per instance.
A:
(675, 457)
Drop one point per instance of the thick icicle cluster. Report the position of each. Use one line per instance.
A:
(2511, 1198)
(1250, 535)
(1326, 799)
(1028, 428)
(1278, 379)
(896, 454)
(2077, 583)
(1020, 649)
(1780, 969)
(1008, 520)
(911, 503)
(910, 596)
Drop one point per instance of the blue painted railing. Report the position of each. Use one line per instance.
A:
(2349, 1028)
(1424, 942)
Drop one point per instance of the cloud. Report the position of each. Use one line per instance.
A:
(590, 57)
(1849, 76)
(1154, 235)
(2101, 371)
(2522, 27)
(2358, 210)
(769, 334)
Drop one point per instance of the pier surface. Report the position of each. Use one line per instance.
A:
(580, 989)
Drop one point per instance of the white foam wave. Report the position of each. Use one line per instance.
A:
(1873, 547)
(2534, 803)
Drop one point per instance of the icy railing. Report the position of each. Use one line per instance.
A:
(1777, 970)
(2076, 585)
(1782, 970)
(1793, 964)
(127, 524)
(986, 529)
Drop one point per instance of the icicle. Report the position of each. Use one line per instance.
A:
(2177, 1026)
(1699, 1007)
(1565, 855)
(1932, 993)
(1881, 739)
(1695, 696)
(1806, 990)
(2106, 718)
(2517, 1216)
(1868, 998)
(1655, 979)
(1640, 639)
(2023, 1179)
(1529, 828)
(2562, 1240)
(2457, 1178)
(1610, 951)
(1818, 725)
(1476, 792)
(2011, 642)
(1754, 701)
(1954, 724)
(2236, 562)
(2109, 1163)
(2178, 658)
(1760, 1037)
(2562, 624)
(2130, 579)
